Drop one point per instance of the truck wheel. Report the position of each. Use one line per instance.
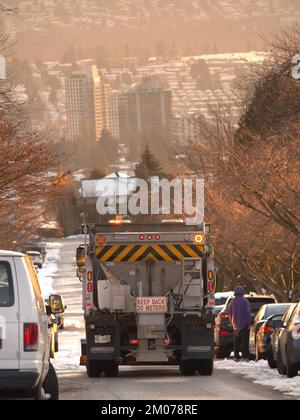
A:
(111, 370)
(188, 368)
(94, 369)
(50, 384)
(206, 367)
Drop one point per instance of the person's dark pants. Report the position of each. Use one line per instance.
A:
(241, 342)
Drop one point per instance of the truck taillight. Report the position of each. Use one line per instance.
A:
(90, 287)
(100, 240)
(134, 342)
(31, 337)
(296, 332)
(150, 237)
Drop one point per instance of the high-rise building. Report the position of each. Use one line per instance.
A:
(145, 112)
(87, 103)
(115, 115)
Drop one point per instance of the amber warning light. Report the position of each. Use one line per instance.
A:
(199, 239)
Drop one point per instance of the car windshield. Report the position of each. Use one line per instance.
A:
(257, 303)
(220, 301)
(6, 285)
(221, 298)
(275, 310)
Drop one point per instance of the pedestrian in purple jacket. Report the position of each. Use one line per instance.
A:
(241, 319)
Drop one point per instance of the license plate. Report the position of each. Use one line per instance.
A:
(102, 339)
(152, 305)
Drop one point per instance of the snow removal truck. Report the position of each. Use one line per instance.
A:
(148, 297)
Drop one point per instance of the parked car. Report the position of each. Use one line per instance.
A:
(288, 358)
(36, 258)
(34, 246)
(221, 298)
(273, 348)
(224, 329)
(267, 318)
(25, 365)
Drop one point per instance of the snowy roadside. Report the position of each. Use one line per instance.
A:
(261, 374)
(57, 278)
(50, 267)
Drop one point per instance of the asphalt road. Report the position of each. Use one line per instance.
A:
(134, 383)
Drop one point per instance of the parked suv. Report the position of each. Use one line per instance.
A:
(25, 365)
(36, 258)
(224, 329)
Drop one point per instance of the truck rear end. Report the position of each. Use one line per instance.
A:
(148, 297)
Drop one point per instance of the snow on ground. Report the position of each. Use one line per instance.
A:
(49, 269)
(261, 374)
(58, 276)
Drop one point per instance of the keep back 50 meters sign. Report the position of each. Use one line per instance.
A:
(152, 305)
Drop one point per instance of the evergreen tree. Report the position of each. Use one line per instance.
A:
(148, 166)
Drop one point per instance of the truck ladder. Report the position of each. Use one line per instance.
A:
(192, 267)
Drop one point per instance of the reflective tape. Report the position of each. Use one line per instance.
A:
(133, 253)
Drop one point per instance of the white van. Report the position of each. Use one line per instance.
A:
(24, 334)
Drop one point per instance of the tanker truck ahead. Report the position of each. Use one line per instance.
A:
(148, 297)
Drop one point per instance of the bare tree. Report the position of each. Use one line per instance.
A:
(253, 182)
(25, 184)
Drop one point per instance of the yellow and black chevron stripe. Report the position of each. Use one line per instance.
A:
(132, 253)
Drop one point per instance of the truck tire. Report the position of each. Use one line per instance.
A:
(188, 368)
(94, 369)
(111, 370)
(50, 384)
(206, 367)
